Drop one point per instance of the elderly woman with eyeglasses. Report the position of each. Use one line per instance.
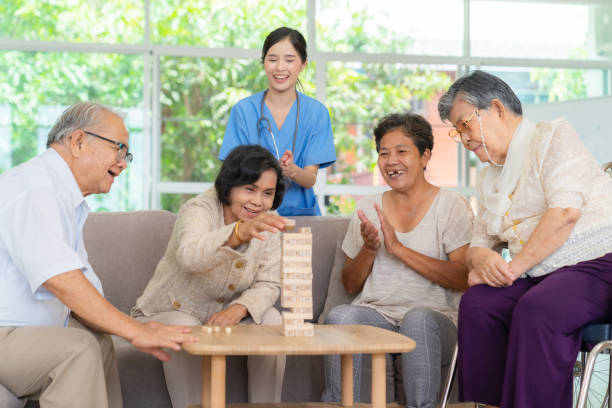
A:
(545, 197)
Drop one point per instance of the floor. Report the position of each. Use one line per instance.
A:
(328, 405)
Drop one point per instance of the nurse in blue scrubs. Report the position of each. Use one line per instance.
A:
(293, 126)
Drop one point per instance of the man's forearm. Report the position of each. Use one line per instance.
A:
(76, 292)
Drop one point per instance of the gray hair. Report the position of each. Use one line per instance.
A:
(479, 88)
(78, 116)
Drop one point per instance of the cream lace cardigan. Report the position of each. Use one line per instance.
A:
(560, 172)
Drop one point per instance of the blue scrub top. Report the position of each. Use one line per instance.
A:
(314, 142)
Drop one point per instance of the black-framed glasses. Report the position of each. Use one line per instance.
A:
(122, 153)
(456, 133)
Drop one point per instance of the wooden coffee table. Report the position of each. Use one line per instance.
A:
(345, 340)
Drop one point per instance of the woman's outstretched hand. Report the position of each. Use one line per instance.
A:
(253, 228)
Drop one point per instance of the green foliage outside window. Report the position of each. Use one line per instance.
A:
(196, 93)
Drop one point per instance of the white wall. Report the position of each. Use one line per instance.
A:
(591, 117)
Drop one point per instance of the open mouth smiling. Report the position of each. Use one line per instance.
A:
(251, 213)
(395, 173)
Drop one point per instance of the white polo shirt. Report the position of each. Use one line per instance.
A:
(42, 212)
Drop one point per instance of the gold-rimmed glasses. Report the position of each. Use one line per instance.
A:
(122, 153)
(463, 126)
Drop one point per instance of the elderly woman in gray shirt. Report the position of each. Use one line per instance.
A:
(222, 267)
(405, 253)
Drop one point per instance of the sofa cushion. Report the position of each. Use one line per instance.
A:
(336, 294)
(124, 249)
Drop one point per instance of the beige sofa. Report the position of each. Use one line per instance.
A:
(124, 249)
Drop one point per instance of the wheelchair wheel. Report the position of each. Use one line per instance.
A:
(598, 388)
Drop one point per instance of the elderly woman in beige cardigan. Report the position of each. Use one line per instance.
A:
(222, 267)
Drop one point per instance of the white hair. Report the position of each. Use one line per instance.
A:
(78, 116)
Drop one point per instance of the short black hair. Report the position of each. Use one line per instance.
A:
(414, 126)
(244, 165)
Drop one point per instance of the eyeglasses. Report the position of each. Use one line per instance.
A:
(122, 153)
(463, 126)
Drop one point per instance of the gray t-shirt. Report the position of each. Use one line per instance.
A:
(393, 288)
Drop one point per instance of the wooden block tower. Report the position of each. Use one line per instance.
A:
(296, 282)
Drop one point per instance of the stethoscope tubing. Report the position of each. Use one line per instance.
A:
(268, 126)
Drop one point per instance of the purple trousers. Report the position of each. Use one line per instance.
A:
(518, 344)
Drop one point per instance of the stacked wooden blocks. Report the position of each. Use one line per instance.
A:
(296, 282)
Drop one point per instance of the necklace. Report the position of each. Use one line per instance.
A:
(484, 145)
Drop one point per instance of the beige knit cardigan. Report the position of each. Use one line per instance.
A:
(200, 276)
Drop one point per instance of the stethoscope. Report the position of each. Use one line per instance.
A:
(262, 118)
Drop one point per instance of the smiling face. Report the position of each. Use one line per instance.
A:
(400, 161)
(250, 200)
(96, 164)
(283, 65)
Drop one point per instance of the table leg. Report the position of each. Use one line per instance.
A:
(206, 381)
(347, 380)
(379, 387)
(217, 381)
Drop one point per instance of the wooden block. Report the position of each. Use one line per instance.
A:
(216, 329)
(207, 329)
(302, 273)
(295, 301)
(297, 293)
(295, 238)
(306, 330)
(299, 307)
(292, 323)
(290, 286)
(290, 225)
(291, 315)
(298, 284)
(228, 329)
(296, 261)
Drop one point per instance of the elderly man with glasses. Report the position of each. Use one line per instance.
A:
(54, 321)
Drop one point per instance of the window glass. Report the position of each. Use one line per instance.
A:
(341, 204)
(173, 202)
(36, 87)
(433, 27)
(540, 29)
(359, 95)
(223, 23)
(544, 85)
(108, 21)
(197, 97)
(539, 85)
